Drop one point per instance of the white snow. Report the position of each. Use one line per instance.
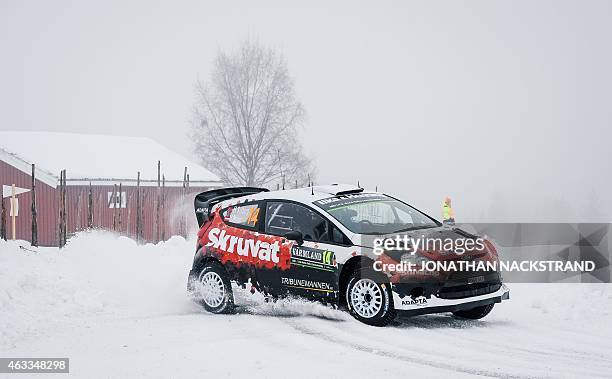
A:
(120, 310)
(100, 156)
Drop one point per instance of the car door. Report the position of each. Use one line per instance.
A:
(313, 269)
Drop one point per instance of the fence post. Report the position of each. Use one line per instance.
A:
(34, 218)
(182, 225)
(65, 223)
(62, 209)
(120, 208)
(187, 186)
(114, 202)
(138, 211)
(90, 208)
(3, 218)
(163, 210)
(14, 213)
(157, 202)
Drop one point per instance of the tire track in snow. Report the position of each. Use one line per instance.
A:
(513, 347)
(393, 355)
(545, 352)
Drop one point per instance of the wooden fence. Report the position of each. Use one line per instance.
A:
(151, 213)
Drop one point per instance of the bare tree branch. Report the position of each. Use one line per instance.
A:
(246, 120)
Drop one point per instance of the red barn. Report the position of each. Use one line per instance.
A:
(100, 164)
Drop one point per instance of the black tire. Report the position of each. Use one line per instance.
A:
(362, 280)
(474, 313)
(215, 274)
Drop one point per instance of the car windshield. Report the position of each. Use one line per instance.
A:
(376, 214)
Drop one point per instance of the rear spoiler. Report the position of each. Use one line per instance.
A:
(204, 202)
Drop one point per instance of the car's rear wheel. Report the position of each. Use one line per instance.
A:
(474, 313)
(213, 289)
(369, 298)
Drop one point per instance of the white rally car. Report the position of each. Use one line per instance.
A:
(319, 243)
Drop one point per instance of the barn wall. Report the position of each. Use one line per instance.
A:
(176, 206)
(47, 207)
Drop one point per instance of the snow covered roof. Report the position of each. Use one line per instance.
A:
(98, 158)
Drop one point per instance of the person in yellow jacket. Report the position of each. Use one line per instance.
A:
(448, 214)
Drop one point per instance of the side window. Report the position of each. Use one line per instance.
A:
(282, 217)
(404, 217)
(338, 237)
(242, 215)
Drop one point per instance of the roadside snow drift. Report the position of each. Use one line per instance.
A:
(97, 274)
(117, 309)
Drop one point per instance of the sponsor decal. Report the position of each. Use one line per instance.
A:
(243, 246)
(384, 287)
(418, 301)
(350, 199)
(477, 279)
(307, 284)
(313, 258)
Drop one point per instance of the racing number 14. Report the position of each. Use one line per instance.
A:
(253, 216)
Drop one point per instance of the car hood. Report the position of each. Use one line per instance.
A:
(432, 251)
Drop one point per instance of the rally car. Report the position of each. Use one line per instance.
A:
(320, 243)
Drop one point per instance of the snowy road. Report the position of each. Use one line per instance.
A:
(118, 310)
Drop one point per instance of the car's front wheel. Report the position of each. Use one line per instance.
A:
(369, 299)
(213, 289)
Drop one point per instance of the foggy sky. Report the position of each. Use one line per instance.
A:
(504, 106)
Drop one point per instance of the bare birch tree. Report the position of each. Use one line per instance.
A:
(246, 120)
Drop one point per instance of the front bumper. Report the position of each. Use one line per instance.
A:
(433, 304)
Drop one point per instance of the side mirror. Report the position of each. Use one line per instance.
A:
(296, 236)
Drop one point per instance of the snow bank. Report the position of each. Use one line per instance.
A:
(105, 299)
(100, 274)
(560, 303)
(97, 274)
